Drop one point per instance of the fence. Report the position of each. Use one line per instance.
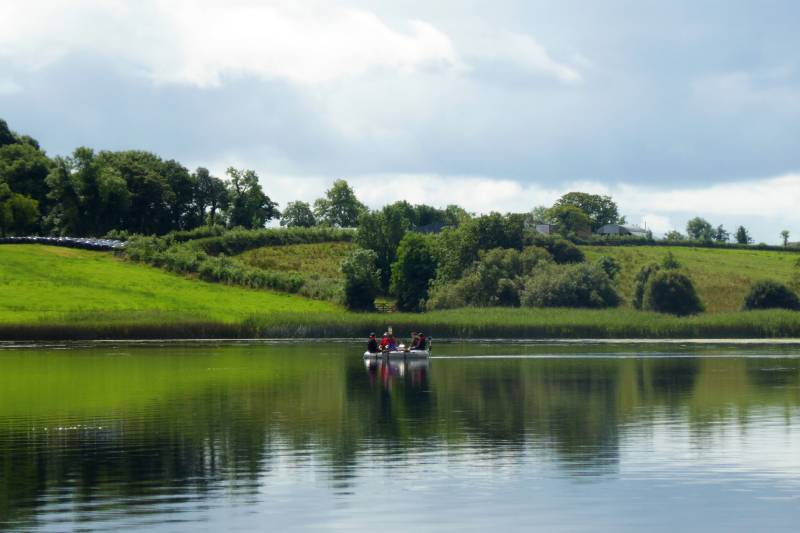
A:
(70, 242)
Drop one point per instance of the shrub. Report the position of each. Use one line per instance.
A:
(565, 252)
(770, 294)
(610, 266)
(496, 279)
(670, 262)
(362, 280)
(640, 284)
(578, 285)
(669, 291)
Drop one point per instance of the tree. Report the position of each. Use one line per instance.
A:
(340, 207)
(570, 220)
(674, 235)
(700, 229)
(600, 210)
(249, 206)
(721, 234)
(785, 237)
(18, 213)
(381, 231)
(298, 214)
(361, 280)
(412, 272)
(24, 169)
(743, 236)
(541, 215)
(6, 135)
(577, 285)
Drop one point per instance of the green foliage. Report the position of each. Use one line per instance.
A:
(340, 207)
(6, 135)
(700, 229)
(610, 266)
(412, 272)
(564, 252)
(674, 235)
(18, 214)
(496, 279)
(298, 215)
(785, 237)
(362, 280)
(381, 231)
(570, 220)
(743, 236)
(640, 284)
(769, 294)
(24, 168)
(577, 285)
(249, 206)
(599, 210)
(721, 234)
(670, 262)
(670, 291)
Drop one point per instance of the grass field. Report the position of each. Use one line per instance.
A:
(722, 277)
(46, 283)
(61, 293)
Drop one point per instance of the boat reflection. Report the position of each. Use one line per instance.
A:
(389, 372)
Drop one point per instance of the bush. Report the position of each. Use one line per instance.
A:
(770, 294)
(670, 262)
(610, 266)
(496, 279)
(669, 291)
(362, 280)
(565, 252)
(640, 284)
(578, 285)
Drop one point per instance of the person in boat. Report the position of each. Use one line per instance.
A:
(414, 341)
(392, 343)
(384, 342)
(372, 344)
(420, 343)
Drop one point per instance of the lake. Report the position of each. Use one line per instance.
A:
(485, 436)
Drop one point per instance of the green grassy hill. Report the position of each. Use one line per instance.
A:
(314, 261)
(46, 283)
(723, 277)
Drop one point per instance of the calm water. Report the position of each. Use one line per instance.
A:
(485, 437)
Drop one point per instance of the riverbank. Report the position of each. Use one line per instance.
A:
(50, 293)
(504, 323)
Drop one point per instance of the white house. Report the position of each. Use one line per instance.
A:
(619, 229)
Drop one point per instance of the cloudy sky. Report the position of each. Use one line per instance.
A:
(677, 108)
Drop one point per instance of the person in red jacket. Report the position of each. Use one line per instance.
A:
(385, 342)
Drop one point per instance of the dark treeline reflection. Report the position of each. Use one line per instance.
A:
(128, 423)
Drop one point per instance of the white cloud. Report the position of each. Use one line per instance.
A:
(200, 42)
(526, 54)
(8, 86)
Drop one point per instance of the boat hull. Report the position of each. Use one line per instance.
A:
(400, 354)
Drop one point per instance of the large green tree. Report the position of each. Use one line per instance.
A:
(570, 220)
(700, 229)
(298, 215)
(599, 209)
(18, 214)
(249, 206)
(381, 231)
(412, 272)
(340, 207)
(743, 236)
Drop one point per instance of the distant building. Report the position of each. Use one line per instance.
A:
(544, 229)
(619, 229)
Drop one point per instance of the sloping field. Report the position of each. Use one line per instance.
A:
(45, 283)
(318, 260)
(722, 277)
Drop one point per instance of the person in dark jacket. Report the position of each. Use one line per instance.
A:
(421, 342)
(372, 344)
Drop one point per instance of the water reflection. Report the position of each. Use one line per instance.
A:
(387, 372)
(111, 437)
